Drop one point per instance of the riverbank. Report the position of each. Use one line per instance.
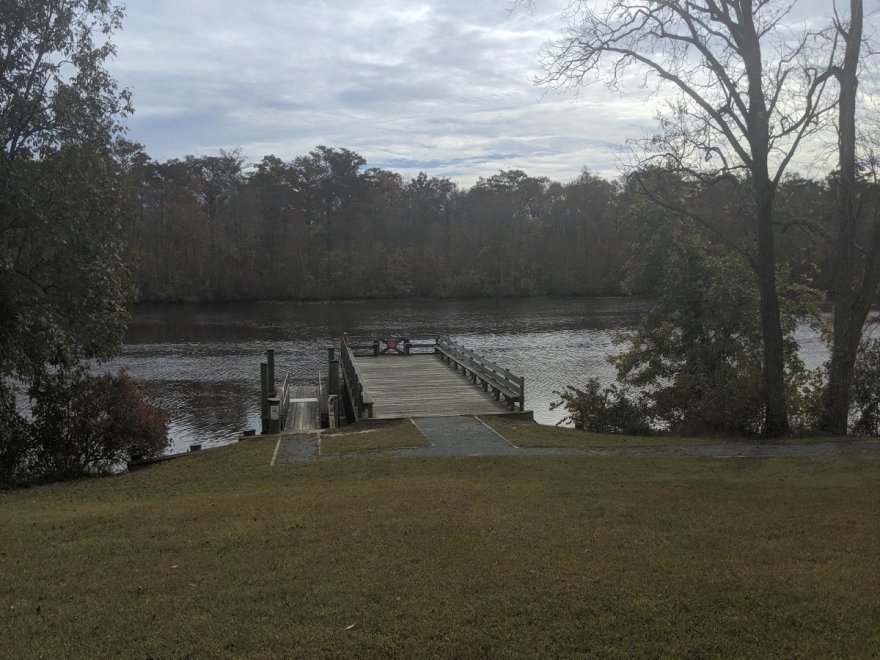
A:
(219, 554)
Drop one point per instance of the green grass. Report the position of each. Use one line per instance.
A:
(218, 555)
(370, 436)
(526, 433)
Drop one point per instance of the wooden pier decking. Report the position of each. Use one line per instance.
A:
(390, 377)
(400, 377)
(303, 412)
(422, 386)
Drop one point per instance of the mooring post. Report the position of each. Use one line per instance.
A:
(522, 393)
(264, 397)
(333, 388)
(274, 405)
(333, 372)
(270, 361)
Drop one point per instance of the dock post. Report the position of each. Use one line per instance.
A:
(264, 397)
(333, 385)
(333, 366)
(522, 393)
(274, 405)
(270, 361)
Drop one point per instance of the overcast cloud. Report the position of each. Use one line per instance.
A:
(442, 87)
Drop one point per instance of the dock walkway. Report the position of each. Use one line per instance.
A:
(303, 413)
(427, 376)
(422, 386)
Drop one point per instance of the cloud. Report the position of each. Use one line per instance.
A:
(445, 87)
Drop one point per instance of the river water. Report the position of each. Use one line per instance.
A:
(201, 362)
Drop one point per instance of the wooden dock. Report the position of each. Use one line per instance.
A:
(422, 386)
(400, 377)
(303, 411)
(390, 377)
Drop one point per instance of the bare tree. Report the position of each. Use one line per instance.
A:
(857, 261)
(748, 95)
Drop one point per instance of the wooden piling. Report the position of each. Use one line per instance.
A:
(270, 362)
(264, 397)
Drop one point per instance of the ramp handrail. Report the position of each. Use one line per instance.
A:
(285, 400)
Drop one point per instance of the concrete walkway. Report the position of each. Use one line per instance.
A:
(297, 448)
(459, 436)
(468, 436)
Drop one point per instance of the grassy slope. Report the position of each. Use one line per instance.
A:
(217, 554)
(526, 433)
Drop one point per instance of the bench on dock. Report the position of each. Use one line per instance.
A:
(489, 375)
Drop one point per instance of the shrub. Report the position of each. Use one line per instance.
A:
(604, 410)
(84, 424)
(15, 439)
(865, 409)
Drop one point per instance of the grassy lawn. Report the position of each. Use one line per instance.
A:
(525, 433)
(369, 436)
(218, 555)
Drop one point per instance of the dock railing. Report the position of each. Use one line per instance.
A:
(492, 377)
(394, 344)
(284, 394)
(361, 402)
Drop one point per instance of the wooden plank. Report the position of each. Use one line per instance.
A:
(422, 385)
(304, 413)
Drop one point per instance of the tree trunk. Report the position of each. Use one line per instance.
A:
(853, 290)
(847, 334)
(776, 415)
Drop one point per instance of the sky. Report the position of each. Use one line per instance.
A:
(445, 87)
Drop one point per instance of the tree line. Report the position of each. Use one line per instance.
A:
(324, 225)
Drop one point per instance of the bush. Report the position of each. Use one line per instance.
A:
(604, 410)
(865, 408)
(15, 439)
(82, 424)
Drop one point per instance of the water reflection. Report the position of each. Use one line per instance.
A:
(202, 361)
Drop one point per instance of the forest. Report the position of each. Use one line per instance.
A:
(325, 225)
